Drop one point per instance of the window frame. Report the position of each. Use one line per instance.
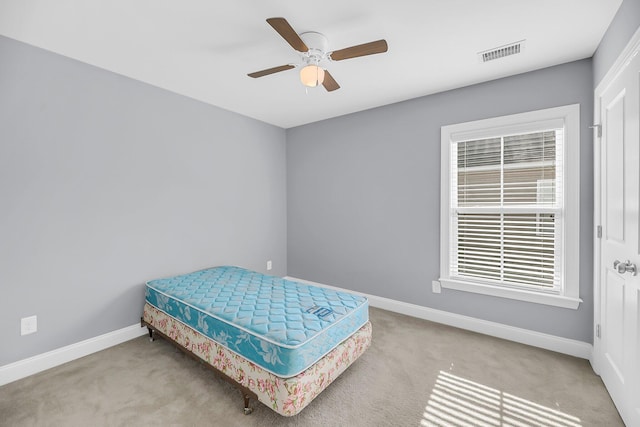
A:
(569, 115)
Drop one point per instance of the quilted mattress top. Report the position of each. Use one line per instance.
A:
(284, 312)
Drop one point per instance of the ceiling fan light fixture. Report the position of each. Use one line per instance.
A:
(312, 75)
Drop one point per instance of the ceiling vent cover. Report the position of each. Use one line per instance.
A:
(502, 51)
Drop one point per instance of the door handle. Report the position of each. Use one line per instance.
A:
(624, 267)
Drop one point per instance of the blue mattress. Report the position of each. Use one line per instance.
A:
(281, 325)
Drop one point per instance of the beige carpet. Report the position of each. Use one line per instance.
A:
(416, 373)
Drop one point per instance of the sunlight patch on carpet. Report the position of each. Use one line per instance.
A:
(458, 402)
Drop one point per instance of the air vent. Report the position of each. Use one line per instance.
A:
(502, 51)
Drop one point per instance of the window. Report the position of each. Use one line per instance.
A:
(510, 206)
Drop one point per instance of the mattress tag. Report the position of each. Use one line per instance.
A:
(320, 311)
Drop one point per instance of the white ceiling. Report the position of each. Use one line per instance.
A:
(204, 49)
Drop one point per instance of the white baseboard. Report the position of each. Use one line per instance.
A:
(33, 365)
(524, 336)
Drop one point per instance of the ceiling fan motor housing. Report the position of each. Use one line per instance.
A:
(318, 47)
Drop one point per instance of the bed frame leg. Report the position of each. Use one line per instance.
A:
(247, 410)
(151, 338)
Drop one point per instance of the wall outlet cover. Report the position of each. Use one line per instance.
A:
(28, 325)
(436, 287)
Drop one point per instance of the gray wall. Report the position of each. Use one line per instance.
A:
(106, 182)
(363, 197)
(622, 28)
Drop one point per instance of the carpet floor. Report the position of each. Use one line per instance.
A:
(416, 373)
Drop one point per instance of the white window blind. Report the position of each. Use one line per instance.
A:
(510, 206)
(506, 210)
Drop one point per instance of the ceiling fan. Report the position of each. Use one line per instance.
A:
(314, 50)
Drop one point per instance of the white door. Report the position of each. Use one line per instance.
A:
(616, 351)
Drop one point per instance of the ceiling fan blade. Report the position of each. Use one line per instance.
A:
(329, 82)
(270, 71)
(371, 48)
(288, 33)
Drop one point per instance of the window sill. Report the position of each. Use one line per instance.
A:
(517, 294)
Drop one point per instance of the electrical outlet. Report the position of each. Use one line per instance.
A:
(269, 265)
(28, 325)
(436, 287)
